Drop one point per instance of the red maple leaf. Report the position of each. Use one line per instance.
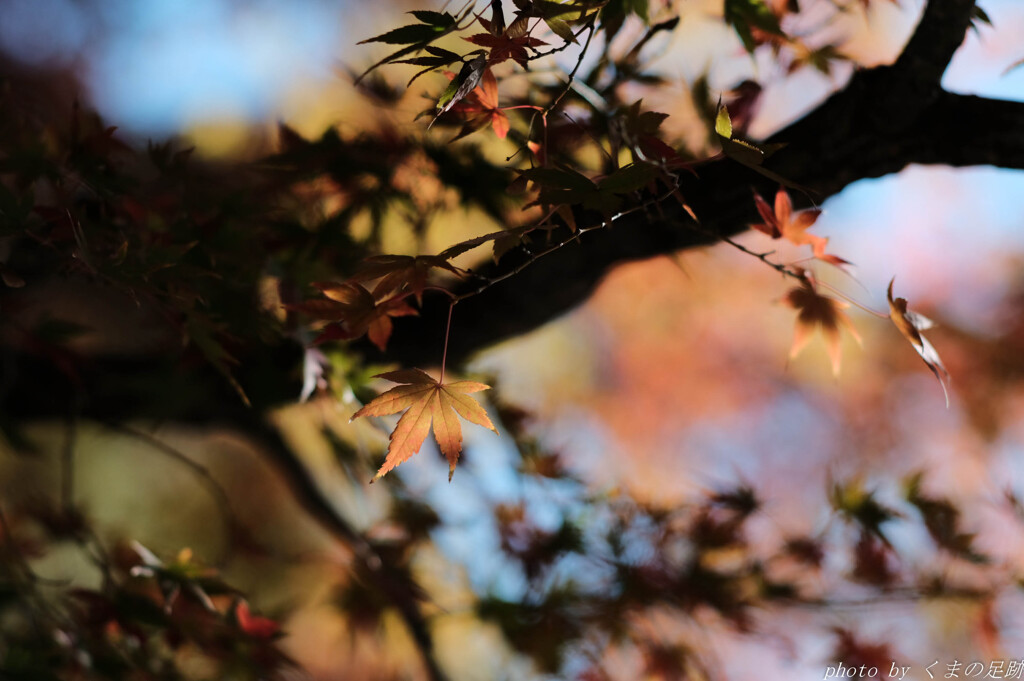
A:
(254, 625)
(353, 312)
(481, 108)
(401, 273)
(782, 222)
(512, 43)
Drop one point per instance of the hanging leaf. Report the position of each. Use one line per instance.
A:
(402, 273)
(437, 58)
(723, 122)
(429, 404)
(858, 505)
(415, 37)
(561, 29)
(942, 520)
(911, 324)
(816, 310)
(203, 333)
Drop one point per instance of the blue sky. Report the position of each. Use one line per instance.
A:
(158, 66)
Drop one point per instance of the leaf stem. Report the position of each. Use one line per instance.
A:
(447, 334)
(850, 300)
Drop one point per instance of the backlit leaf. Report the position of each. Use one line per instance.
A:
(911, 324)
(352, 311)
(782, 222)
(816, 310)
(428, 404)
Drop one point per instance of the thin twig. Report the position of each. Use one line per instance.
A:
(763, 257)
(568, 85)
(67, 471)
(830, 287)
(447, 334)
(220, 497)
(488, 282)
(575, 69)
(561, 48)
(892, 596)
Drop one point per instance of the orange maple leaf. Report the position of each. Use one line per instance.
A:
(817, 310)
(911, 324)
(429, 404)
(782, 222)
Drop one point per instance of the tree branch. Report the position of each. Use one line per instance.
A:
(845, 140)
(938, 35)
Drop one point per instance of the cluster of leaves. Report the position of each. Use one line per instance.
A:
(601, 573)
(602, 570)
(816, 310)
(148, 619)
(563, 189)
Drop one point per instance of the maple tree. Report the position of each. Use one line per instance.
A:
(144, 284)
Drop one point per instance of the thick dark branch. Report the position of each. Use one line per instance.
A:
(938, 35)
(845, 140)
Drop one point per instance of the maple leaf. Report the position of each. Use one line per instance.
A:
(640, 129)
(911, 324)
(414, 37)
(353, 312)
(782, 222)
(942, 520)
(511, 44)
(469, 77)
(753, 21)
(429, 404)
(254, 625)
(817, 310)
(742, 151)
(399, 273)
(481, 108)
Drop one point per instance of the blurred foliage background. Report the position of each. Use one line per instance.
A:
(670, 498)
